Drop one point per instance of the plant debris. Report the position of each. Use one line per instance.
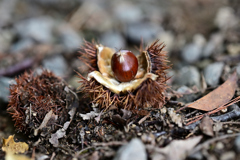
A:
(60, 117)
(9, 145)
(218, 97)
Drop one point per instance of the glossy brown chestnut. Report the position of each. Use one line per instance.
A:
(124, 65)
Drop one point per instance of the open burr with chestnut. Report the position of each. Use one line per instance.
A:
(122, 79)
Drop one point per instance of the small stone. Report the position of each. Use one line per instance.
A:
(39, 29)
(184, 90)
(219, 146)
(228, 155)
(134, 150)
(171, 73)
(127, 12)
(196, 156)
(188, 76)
(233, 49)
(237, 144)
(168, 39)
(57, 65)
(214, 45)
(6, 36)
(4, 85)
(213, 72)
(141, 30)
(69, 37)
(22, 45)
(191, 53)
(113, 40)
(74, 82)
(188, 94)
(229, 131)
(226, 19)
(238, 69)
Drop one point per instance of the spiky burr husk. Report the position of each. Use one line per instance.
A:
(149, 94)
(33, 96)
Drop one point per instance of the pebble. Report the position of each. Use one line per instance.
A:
(57, 65)
(187, 95)
(237, 144)
(184, 90)
(230, 131)
(134, 150)
(233, 49)
(69, 37)
(219, 146)
(213, 46)
(127, 12)
(189, 76)
(39, 29)
(7, 10)
(6, 36)
(196, 156)
(22, 45)
(228, 155)
(192, 52)
(225, 18)
(113, 40)
(238, 69)
(142, 30)
(167, 38)
(213, 72)
(4, 85)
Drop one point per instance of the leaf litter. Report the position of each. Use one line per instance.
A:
(217, 97)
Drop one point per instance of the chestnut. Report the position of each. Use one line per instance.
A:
(124, 65)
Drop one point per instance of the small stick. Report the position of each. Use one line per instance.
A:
(199, 117)
(210, 141)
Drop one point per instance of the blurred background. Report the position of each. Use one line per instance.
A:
(201, 36)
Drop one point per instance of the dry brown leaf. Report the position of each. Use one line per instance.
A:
(176, 150)
(10, 146)
(217, 97)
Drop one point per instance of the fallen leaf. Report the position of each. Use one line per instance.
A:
(89, 115)
(126, 114)
(176, 150)
(10, 156)
(217, 97)
(62, 131)
(206, 126)
(54, 137)
(48, 116)
(9, 145)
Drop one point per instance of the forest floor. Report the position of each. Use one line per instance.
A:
(202, 39)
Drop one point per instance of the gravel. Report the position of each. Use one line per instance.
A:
(213, 72)
(134, 150)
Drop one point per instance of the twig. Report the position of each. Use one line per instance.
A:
(144, 118)
(230, 123)
(53, 155)
(189, 114)
(199, 117)
(208, 142)
(113, 143)
(83, 150)
(20, 66)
